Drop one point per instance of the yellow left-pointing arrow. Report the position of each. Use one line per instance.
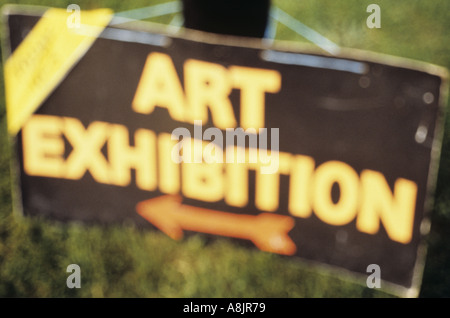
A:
(269, 232)
(44, 58)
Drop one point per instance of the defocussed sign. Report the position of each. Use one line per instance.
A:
(330, 159)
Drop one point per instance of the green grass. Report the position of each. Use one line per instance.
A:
(121, 261)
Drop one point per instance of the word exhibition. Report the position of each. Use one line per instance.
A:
(162, 163)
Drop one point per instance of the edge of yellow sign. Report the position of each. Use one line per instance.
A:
(45, 57)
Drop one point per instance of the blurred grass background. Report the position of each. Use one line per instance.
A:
(120, 261)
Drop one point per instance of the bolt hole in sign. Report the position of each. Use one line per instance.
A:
(330, 159)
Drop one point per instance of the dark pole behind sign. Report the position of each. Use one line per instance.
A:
(232, 17)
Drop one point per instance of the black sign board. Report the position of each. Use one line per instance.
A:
(339, 153)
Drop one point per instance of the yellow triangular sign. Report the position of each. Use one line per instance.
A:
(45, 57)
